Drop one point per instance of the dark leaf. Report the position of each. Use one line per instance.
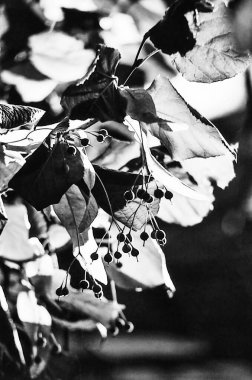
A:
(215, 55)
(12, 116)
(47, 174)
(186, 134)
(115, 182)
(96, 94)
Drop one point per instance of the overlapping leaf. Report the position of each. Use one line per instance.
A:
(96, 94)
(186, 134)
(12, 116)
(47, 174)
(115, 183)
(215, 55)
(10, 164)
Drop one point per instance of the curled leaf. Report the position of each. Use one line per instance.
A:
(96, 94)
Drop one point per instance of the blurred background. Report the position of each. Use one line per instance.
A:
(205, 330)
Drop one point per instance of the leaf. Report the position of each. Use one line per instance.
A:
(215, 55)
(96, 94)
(186, 133)
(149, 271)
(76, 211)
(12, 116)
(116, 183)
(47, 174)
(10, 164)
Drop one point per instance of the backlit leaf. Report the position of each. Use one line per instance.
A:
(186, 133)
(215, 55)
(10, 164)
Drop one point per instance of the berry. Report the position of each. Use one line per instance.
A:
(114, 330)
(119, 265)
(85, 142)
(99, 295)
(168, 195)
(141, 193)
(121, 237)
(117, 255)
(65, 291)
(126, 248)
(153, 234)
(59, 291)
(162, 242)
(103, 132)
(160, 235)
(37, 359)
(134, 252)
(146, 197)
(129, 327)
(108, 258)
(41, 341)
(71, 150)
(129, 237)
(120, 322)
(84, 284)
(100, 138)
(56, 349)
(94, 256)
(129, 195)
(158, 193)
(96, 288)
(150, 199)
(144, 236)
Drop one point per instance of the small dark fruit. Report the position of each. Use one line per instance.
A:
(59, 291)
(126, 248)
(168, 195)
(144, 236)
(160, 234)
(99, 295)
(96, 288)
(65, 291)
(150, 199)
(121, 237)
(129, 327)
(129, 195)
(158, 193)
(103, 132)
(94, 256)
(119, 265)
(153, 234)
(84, 284)
(141, 193)
(117, 255)
(71, 150)
(100, 138)
(108, 258)
(85, 142)
(134, 252)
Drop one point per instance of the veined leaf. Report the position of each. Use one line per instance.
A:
(132, 213)
(47, 174)
(186, 134)
(96, 94)
(215, 55)
(12, 116)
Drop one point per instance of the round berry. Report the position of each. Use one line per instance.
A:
(160, 234)
(126, 248)
(84, 284)
(56, 349)
(103, 132)
(129, 195)
(41, 341)
(71, 150)
(168, 195)
(117, 255)
(65, 291)
(141, 193)
(146, 196)
(134, 252)
(100, 138)
(96, 288)
(129, 327)
(150, 199)
(99, 295)
(144, 236)
(108, 258)
(121, 237)
(120, 322)
(158, 193)
(119, 265)
(162, 242)
(59, 291)
(85, 142)
(94, 256)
